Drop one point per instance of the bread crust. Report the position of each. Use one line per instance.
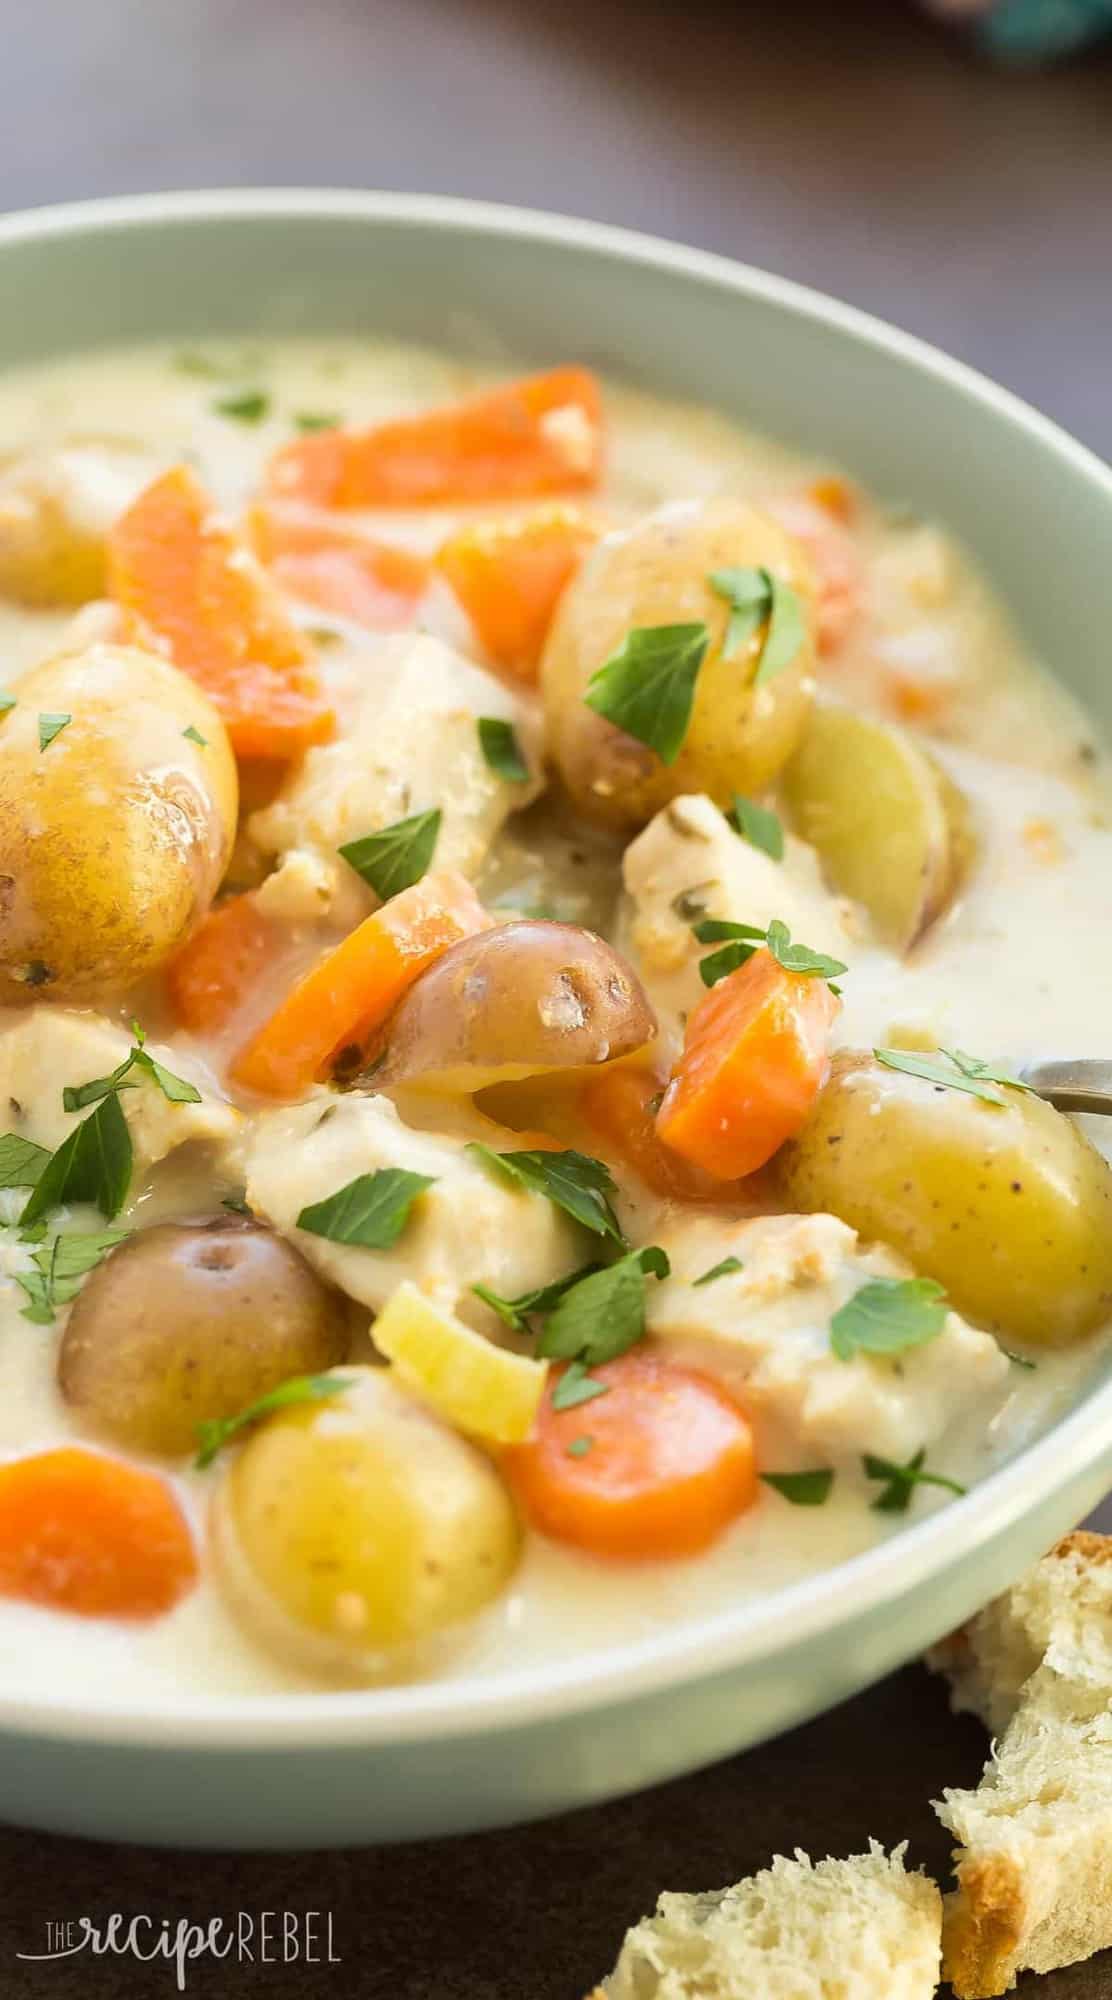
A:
(1034, 1864)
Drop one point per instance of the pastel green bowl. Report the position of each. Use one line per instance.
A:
(301, 1770)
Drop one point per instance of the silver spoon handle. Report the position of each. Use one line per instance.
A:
(1073, 1086)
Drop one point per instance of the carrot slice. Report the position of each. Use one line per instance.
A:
(667, 1465)
(213, 974)
(618, 1105)
(541, 434)
(83, 1532)
(509, 577)
(820, 526)
(754, 1060)
(349, 994)
(337, 568)
(176, 566)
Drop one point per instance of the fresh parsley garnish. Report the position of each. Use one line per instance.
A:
(577, 1386)
(900, 1482)
(721, 1270)
(51, 726)
(236, 1204)
(803, 1489)
(574, 1181)
(317, 420)
(175, 1088)
(887, 1315)
(7, 701)
(370, 1211)
(21, 1163)
(579, 1447)
(501, 749)
(754, 596)
(740, 941)
(603, 1315)
(516, 1313)
(214, 1433)
(246, 406)
(965, 1072)
(648, 686)
(799, 957)
(60, 1266)
(396, 856)
(1018, 1360)
(759, 825)
(93, 1164)
(194, 736)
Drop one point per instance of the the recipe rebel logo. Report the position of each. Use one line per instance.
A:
(266, 1937)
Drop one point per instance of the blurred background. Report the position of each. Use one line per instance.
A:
(863, 146)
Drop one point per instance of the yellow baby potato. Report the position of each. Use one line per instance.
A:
(1006, 1205)
(116, 823)
(891, 828)
(740, 733)
(357, 1533)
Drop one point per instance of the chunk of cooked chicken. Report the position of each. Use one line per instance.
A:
(765, 1331)
(689, 864)
(412, 744)
(470, 1227)
(43, 1049)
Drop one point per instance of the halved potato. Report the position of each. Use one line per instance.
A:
(892, 829)
(657, 573)
(512, 1002)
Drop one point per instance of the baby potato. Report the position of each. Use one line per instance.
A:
(355, 1533)
(739, 735)
(115, 836)
(55, 510)
(1008, 1206)
(516, 1001)
(190, 1321)
(892, 829)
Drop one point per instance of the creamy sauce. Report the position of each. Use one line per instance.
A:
(1019, 966)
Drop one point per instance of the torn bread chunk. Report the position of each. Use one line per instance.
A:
(412, 744)
(471, 1226)
(862, 1929)
(44, 1049)
(688, 865)
(764, 1330)
(1034, 1859)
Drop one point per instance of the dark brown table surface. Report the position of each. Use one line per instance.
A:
(853, 146)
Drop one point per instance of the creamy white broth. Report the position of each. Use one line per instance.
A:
(998, 973)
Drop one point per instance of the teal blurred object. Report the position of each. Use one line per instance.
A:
(1031, 31)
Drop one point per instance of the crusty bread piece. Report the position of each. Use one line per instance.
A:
(841, 1930)
(1034, 1864)
(1059, 1613)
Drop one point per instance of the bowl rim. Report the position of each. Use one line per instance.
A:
(698, 1648)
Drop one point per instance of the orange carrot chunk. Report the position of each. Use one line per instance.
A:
(542, 434)
(337, 568)
(658, 1466)
(214, 973)
(754, 1060)
(618, 1107)
(83, 1532)
(180, 569)
(345, 998)
(509, 577)
(839, 574)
